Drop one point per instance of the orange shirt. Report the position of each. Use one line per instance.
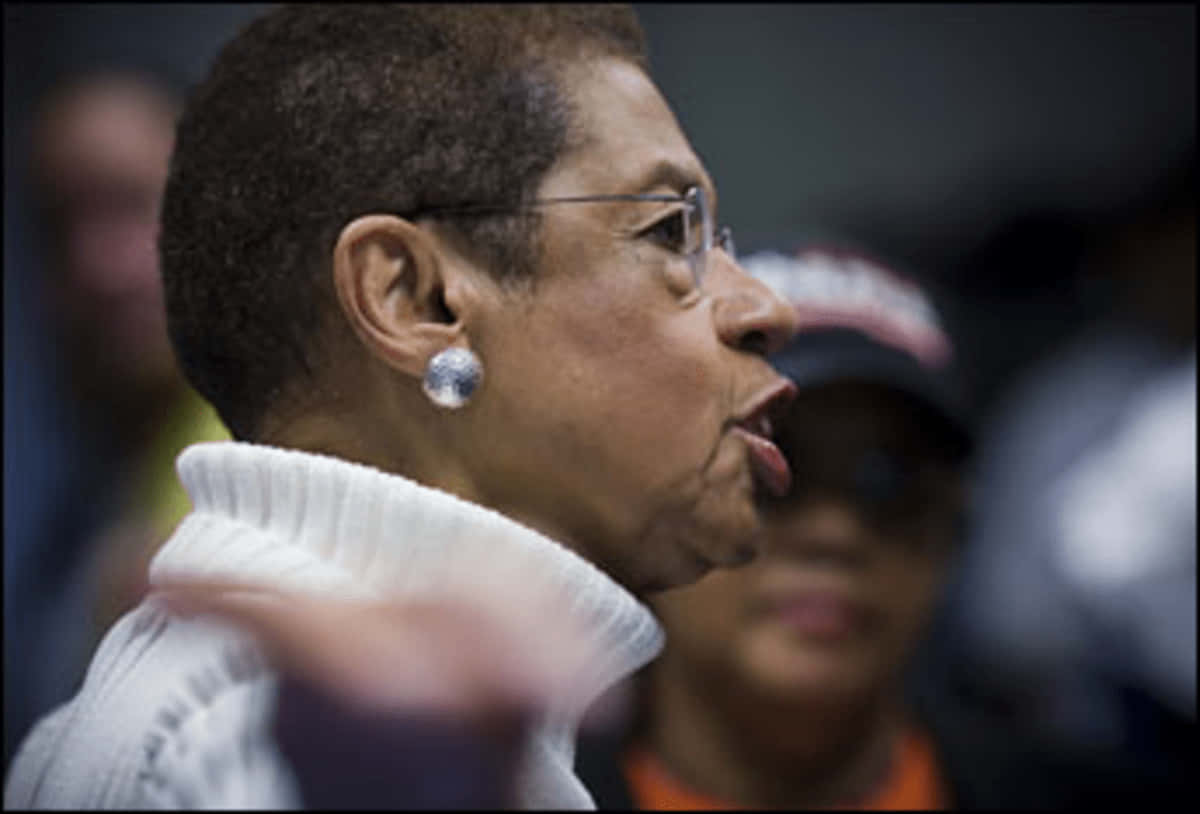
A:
(912, 783)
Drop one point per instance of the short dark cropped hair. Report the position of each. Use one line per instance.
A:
(314, 115)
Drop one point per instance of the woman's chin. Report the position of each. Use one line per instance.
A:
(725, 530)
(740, 540)
(685, 568)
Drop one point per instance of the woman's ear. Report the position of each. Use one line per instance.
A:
(392, 280)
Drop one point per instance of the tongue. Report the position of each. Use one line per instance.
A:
(770, 465)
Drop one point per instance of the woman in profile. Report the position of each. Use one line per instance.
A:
(451, 276)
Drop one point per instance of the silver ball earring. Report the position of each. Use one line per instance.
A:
(452, 377)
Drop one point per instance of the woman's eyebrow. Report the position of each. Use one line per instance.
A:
(667, 173)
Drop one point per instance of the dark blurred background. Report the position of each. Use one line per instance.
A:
(1008, 155)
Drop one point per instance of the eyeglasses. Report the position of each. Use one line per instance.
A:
(688, 231)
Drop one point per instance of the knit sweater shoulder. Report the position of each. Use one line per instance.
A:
(175, 712)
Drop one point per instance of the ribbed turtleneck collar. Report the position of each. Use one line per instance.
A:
(315, 523)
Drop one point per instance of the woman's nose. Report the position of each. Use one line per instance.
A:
(749, 315)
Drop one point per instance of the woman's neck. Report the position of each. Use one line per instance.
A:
(753, 750)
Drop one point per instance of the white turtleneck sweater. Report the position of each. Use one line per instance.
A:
(175, 712)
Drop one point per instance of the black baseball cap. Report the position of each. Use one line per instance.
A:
(859, 320)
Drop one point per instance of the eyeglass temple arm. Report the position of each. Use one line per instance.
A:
(545, 202)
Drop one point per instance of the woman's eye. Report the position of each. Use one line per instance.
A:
(668, 232)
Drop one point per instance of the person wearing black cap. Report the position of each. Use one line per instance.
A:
(783, 683)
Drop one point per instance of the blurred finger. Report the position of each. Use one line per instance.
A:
(436, 654)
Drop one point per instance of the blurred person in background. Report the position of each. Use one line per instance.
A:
(1074, 612)
(100, 143)
(788, 683)
(452, 276)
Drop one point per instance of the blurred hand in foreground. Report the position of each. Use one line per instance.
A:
(400, 703)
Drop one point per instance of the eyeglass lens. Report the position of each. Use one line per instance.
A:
(700, 234)
(697, 232)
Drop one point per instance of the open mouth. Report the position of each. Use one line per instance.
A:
(757, 429)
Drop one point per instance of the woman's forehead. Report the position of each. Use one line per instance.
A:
(628, 141)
